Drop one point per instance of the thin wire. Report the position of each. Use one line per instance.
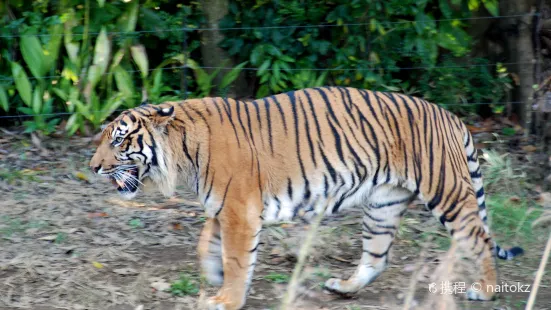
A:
(52, 114)
(120, 110)
(310, 69)
(276, 27)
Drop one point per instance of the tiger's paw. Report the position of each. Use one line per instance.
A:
(333, 284)
(476, 294)
(337, 286)
(222, 303)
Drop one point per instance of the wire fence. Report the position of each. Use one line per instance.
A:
(188, 29)
(383, 68)
(366, 65)
(121, 110)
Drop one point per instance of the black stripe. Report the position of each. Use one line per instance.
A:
(229, 114)
(278, 105)
(388, 204)
(314, 115)
(218, 109)
(224, 199)
(308, 137)
(268, 118)
(480, 193)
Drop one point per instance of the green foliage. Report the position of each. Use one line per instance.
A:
(136, 223)
(472, 82)
(89, 58)
(92, 75)
(184, 286)
(204, 80)
(277, 277)
(365, 45)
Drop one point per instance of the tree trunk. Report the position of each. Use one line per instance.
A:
(214, 56)
(517, 33)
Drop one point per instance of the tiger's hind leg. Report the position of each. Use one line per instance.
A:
(210, 252)
(381, 218)
(463, 222)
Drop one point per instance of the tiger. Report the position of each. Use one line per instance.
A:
(298, 154)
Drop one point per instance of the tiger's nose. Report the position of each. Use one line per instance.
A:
(95, 169)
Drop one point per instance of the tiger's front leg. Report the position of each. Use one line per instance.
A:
(210, 252)
(240, 227)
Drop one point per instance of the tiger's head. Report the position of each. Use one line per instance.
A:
(134, 149)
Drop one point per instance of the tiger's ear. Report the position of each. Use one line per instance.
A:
(163, 116)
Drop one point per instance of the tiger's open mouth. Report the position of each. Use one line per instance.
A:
(126, 180)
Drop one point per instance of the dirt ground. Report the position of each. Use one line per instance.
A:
(67, 241)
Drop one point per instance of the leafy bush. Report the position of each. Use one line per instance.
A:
(87, 59)
(365, 43)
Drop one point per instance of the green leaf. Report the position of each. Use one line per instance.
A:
(101, 3)
(140, 57)
(37, 101)
(124, 81)
(111, 105)
(445, 8)
(507, 131)
(453, 38)
(232, 75)
(117, 58)
(33, 54)
(94, 75)
(130, 17)
(423, 22)
(52, 48)
(286, 58)
(102, 50)
(4, 103)
(60, 93)
(264, 79)
(276, 71)
(262, 91)
(22, 83)
(473, 5)
(47, 107)
(257, 54)
(321, 79)
(157, 78)
(71, 47)
(491, 6)
(272, 50)
(25, 110)
(72, 124)
(265, 65)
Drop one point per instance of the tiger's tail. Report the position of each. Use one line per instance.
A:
(476, 180)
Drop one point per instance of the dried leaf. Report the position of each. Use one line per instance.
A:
(475, 129)
(97, 264)
(514, 199)
(97, 214)
(81, 176)
(529, 148)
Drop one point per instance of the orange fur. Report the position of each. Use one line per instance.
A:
(300, 153)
